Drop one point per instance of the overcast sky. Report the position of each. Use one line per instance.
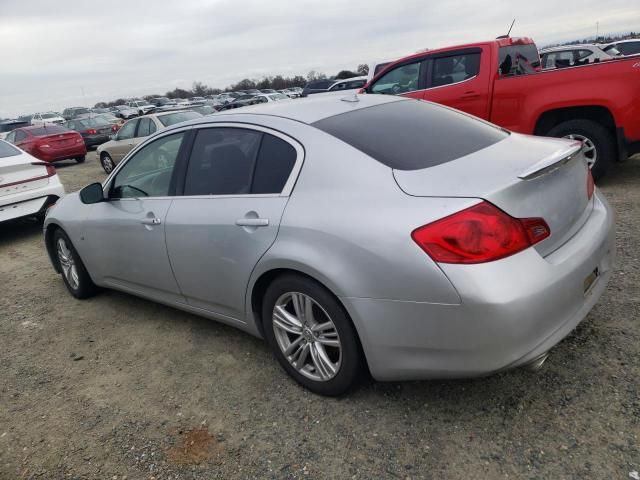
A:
(60, 53)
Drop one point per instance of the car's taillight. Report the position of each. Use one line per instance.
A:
(79, 140)
(590, 185)
(51, 170)
(482, 233)
(90, 131)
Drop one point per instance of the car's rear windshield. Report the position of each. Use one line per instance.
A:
(412, 134)
(173, 118)
(518, 60)
(8, 150)
(48, 130)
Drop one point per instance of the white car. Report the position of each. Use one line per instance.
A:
(141, 106)
(574, 55)
(352, 83)
(272, 97)
(47, 118)
(28, 187)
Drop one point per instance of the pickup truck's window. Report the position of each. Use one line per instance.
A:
(518, 60)
(402, 79)
(411, 134)
(628, 48)
(454, 69)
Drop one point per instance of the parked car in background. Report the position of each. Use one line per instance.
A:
(47, 118)
(182, 103)
(268, 90)
(135, 131)
(100, 110)
(476, 249)
(27, 186)
(141, 106)
(574, 55)
(49, 143)
(162, 103)
(289, 92)
(272, 97)
(204, 109)
(94, 130)
(317, 86)
(197, 100)
(348, 84)
(73, 112)
(501, 81)
(228, 97)
(244, 100)
(125, 112)
(112, 119)
(625, 47)
(7, 126)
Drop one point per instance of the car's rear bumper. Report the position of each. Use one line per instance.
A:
(512, 310)
(93, 140)
(31, 202)
(57, 155)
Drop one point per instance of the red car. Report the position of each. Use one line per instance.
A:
(501, 81)
(49, 143)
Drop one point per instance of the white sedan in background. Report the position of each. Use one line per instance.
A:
(47, 118)
(27, 186)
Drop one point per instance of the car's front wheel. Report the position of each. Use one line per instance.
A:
(107, 162)
(311, 335)
(74, 273)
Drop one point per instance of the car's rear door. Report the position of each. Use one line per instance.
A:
(236, 186)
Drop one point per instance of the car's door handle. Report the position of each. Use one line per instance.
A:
(151, 221)
(470, 94)
(252, 222)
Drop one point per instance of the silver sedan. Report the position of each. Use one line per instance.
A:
(363, 232)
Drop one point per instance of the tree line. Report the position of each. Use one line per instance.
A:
(277, 82)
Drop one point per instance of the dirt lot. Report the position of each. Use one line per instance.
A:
(117, 387)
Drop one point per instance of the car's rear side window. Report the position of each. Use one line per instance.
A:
(238, 161)
(412, 134)
(8, 150)
(518, 60)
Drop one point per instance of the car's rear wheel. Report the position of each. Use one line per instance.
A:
(107, 162)
(81, 159)
(311, 335)
(599, 144)
(75, 275)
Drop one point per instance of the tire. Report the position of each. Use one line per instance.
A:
(81, 159)
(343, 363)
(590, 131)
(107, 163)
(79, 285)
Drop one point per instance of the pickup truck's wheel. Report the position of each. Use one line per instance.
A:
(311, 335)
(600, 147)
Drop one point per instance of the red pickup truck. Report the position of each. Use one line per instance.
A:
(501, 81)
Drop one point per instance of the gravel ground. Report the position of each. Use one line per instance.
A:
(117, 387)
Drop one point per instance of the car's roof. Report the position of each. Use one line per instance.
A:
(628, 40)
(311, 109)
(570, 47)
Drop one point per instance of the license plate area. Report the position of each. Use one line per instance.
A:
(590, 280)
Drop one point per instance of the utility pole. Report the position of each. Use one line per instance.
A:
(597, 31)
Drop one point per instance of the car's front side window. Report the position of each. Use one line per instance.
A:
(402, 79)
(149, 171)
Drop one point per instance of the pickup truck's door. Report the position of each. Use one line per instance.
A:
(460, 79)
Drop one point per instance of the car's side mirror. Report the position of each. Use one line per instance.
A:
(92, 194)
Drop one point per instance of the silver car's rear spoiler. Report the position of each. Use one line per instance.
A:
(552, 162)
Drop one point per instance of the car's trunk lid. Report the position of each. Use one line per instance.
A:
(59, 140)
(18, 175)
(522, 175)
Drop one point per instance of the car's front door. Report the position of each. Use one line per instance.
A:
(124, 140)
(125, 235)
(236, 187)
(407, 79)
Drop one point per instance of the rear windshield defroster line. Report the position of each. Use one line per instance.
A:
(412, 134)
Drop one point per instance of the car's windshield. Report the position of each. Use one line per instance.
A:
(49, 115)
(177, 117)
(93, 122)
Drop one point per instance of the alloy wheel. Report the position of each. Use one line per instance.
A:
(68, 264)
(107, 163)
(588, 149)
(307, 336)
